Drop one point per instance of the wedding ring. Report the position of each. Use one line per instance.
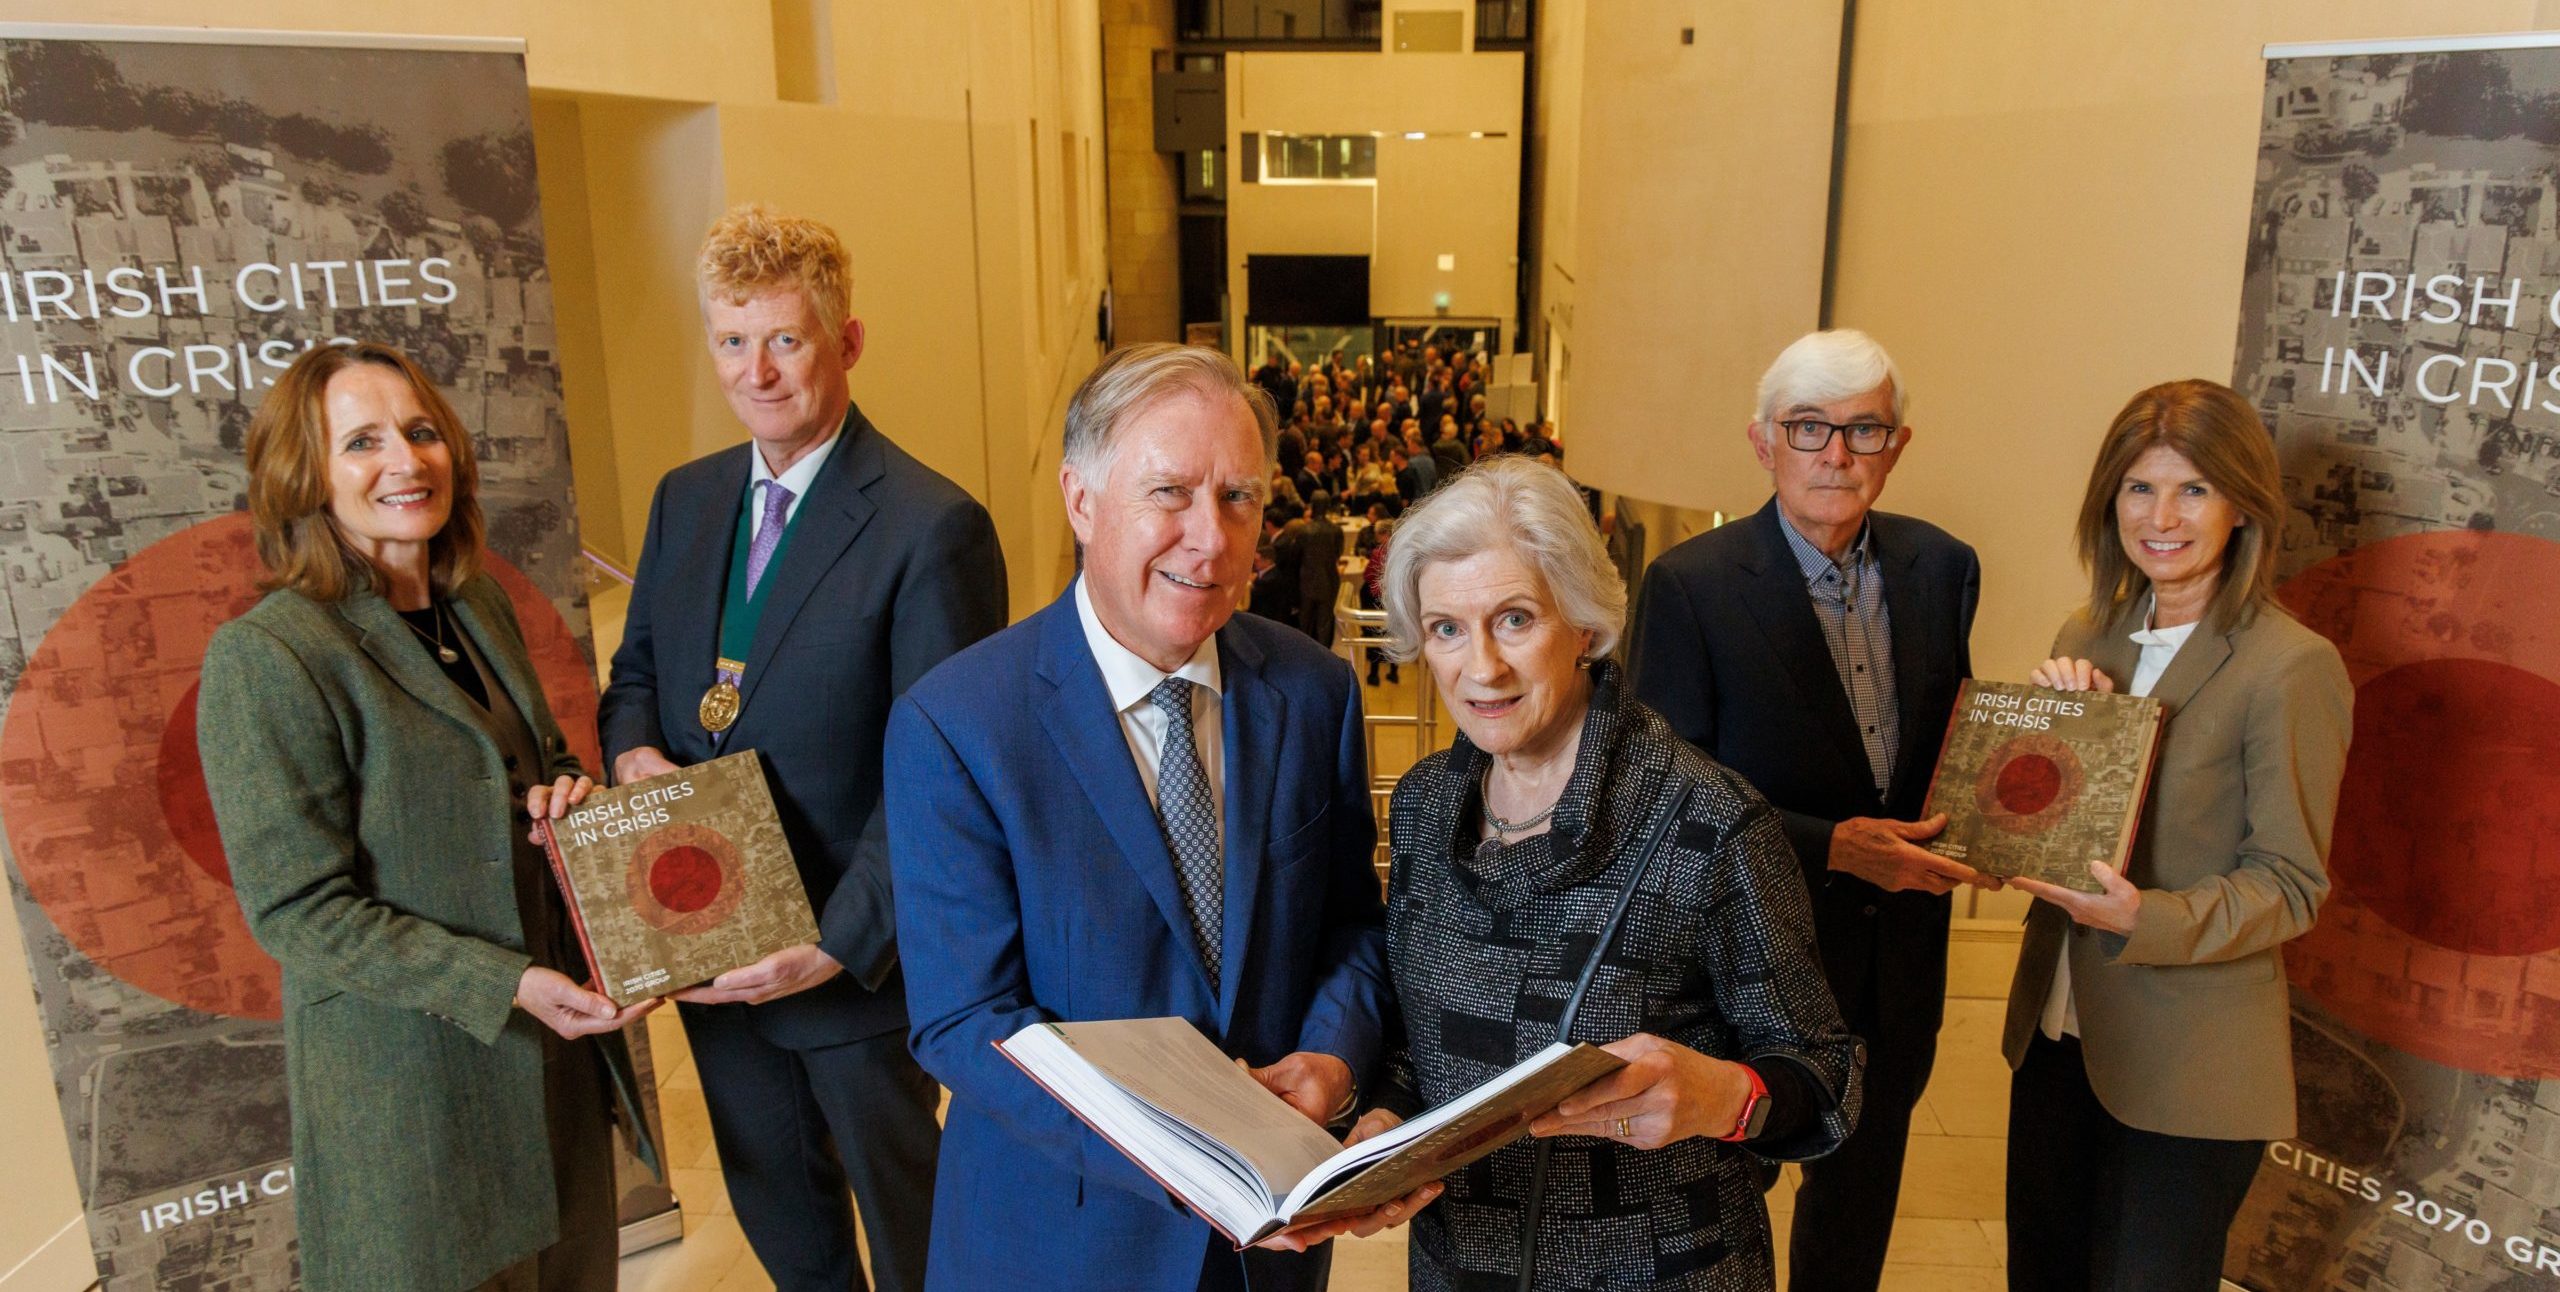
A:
(1622, 1128)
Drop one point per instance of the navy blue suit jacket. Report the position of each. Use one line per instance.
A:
(1034, 884)
(890, 569)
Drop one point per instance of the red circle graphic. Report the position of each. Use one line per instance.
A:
(2028, 784)
(2438, 940)
(2457, 847)
(684, 879)
(101, 794)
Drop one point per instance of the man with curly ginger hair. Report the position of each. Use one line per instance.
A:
(789, 589)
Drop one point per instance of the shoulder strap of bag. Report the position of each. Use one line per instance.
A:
(1573, 1008)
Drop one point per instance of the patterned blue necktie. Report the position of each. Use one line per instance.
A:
(1190, 820)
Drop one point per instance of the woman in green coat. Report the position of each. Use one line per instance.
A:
(376, 744)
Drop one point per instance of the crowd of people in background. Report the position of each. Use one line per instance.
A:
(1361, 439)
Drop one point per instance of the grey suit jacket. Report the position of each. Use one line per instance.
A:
(370, 824)
(2186, 1024)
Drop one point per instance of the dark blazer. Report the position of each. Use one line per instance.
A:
(371, 826)
(2186, 1025)
(1312, 547)
(1034, 885)
(890, 569)
(1727, 649)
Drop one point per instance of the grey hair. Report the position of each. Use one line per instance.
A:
(1133, 379)
(1515, 500)
(1824, 366)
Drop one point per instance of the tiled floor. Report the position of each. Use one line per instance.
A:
(1949, 1237)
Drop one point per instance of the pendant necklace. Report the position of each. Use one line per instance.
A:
(443, 652)
(1503, 829)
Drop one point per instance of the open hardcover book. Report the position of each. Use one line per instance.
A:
(1242, 1158)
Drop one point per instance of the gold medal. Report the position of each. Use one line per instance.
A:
(720, 704)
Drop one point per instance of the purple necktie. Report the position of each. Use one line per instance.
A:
(777, 507)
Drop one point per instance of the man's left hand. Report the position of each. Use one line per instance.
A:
(1318, 1085)
(792, 969)
(2114, 910)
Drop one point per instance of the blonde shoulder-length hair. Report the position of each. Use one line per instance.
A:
(2216, 430)
(288, 453)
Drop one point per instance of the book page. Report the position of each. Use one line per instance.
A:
(1167, 1063)
(1381, 1170)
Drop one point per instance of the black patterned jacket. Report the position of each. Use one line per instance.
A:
(1716, 953)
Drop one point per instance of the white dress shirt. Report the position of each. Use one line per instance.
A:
(802, 474)
(1130, 680)
(2159, 646)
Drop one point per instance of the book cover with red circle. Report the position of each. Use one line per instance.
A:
(677, 879)
(2039, 783)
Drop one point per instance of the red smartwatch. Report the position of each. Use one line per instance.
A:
(1755, 1109)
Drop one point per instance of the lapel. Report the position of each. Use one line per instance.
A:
(2193, 666)
(507, 665)
(391, 644)
(835, 511)
(1784, 609)
(1914, 658)
(1086, 731)
(694, 591)
(2112, 648)
(1255, 713)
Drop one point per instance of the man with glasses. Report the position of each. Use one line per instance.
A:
(1816, 648)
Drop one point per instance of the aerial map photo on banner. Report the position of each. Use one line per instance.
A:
(2400, 332)
(181, 214)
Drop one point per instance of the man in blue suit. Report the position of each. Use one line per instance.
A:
(1134, 803)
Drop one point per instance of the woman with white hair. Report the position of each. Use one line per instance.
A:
(1570, 869)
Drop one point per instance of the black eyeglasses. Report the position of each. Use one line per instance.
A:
(1863, 438)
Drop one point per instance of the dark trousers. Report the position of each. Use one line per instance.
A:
(1227, 1270)
(796, 1128)
(1891, 988)
(2098, 1206)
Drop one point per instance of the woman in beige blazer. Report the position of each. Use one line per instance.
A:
(375, 740)
(2149, 1030)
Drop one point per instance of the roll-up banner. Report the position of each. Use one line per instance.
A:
(181, 214)
(2400, 332)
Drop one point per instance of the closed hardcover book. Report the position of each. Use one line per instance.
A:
(2038, 783)
(677, 879)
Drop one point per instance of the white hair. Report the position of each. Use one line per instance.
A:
(1514, 500)
(1131, 380)
(1821, 367)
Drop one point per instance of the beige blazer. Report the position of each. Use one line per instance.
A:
(2186, 1024)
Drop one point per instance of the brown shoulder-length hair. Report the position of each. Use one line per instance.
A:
(289, 480)
(2212, 427)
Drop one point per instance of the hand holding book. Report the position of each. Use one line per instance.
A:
(1666, 1093)
(2118, 903)
(791, 969)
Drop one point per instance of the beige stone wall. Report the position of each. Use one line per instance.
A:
(1146, 192)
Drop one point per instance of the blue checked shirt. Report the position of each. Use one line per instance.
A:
(1848, 598)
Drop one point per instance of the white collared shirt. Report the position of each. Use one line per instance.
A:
(1130, 680)
(2159, 646)
(797, 479)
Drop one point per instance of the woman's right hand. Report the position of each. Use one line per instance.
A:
(2063, 673)
(572, 1010)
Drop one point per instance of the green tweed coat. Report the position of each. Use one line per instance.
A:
(369, 823)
